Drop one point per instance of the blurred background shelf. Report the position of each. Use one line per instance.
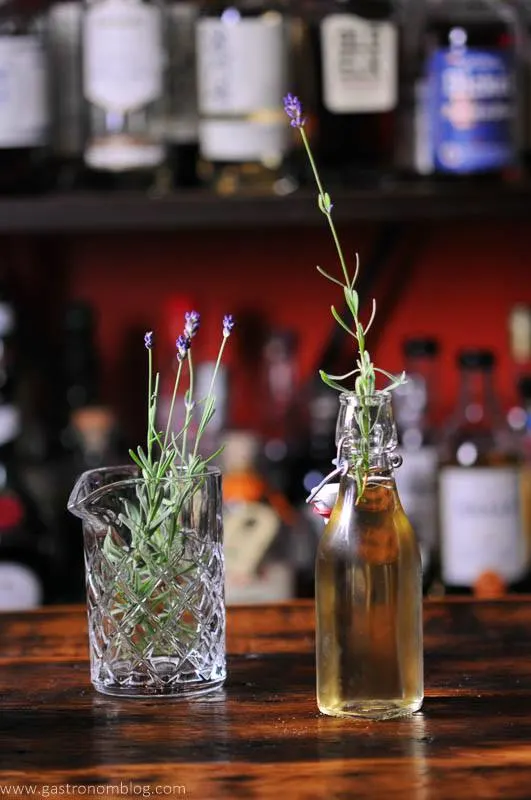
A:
(201, 209)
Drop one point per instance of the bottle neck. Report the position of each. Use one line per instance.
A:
(477, 404)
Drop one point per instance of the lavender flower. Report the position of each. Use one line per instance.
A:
(148, 340)
(293, 108)
(183, 345)
(191, 325)
(228, 325)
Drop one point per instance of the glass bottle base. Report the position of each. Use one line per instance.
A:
(373, 709)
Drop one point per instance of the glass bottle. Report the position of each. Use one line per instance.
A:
(416, 480)
(68, 128)
(524, 390)
(355, 54)
(467, 101)
(368, 579)
(242, 74)
(24, 108)
(123, 66)
(181, 129)
(27, 553)
(483, 545)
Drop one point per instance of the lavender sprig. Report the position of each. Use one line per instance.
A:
(365, 371)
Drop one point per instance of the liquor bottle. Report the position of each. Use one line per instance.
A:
(524, 390)
(257, 522)
(123, 70)
(278, 392)
(182, 119)
(355, 53)
(24, 111)
(79, 364)
(416, 479)
(26, 547)
(468, 105)
(94, 441)
(68, 129)
(368, 579)
(483, 545)
(242, 74)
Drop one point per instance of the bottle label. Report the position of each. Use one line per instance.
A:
(472, 109)
(359, 63)
(65, 57)
(249, 530)
(123, 54)
(120, 153)
(23, 92)
(416, 481)
(481, 524)
(240, 140)
(242, 72)
(9, 423)
(20, 587)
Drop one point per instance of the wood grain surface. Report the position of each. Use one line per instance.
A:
(262, 736)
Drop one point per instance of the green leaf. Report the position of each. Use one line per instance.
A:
(330, 382)
(329, 277)
(343, 324)
(352, 299)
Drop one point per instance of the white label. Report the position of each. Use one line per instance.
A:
(240, 140)
(23, 92)
(241, 63)
(249, 529)
(118, 153)
(481, 524)
(9, 423)
(359, 59)
(274, 584)
(20, 587)
(416, 481)
(122, 43)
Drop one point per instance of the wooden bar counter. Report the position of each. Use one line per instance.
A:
(263, 737)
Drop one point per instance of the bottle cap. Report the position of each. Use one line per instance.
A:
(420, 347)
(476, 359)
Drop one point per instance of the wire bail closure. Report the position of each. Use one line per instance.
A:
(341, 470)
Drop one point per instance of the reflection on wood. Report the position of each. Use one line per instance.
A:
(263, 736)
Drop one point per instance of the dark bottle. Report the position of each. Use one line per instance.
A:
(483, 543)
(24, 111)
(123, 82)
(94, 441)
(80, 361)
(467, 99)
(242, 75)
(355, 53)
(181, 129)
(278, 391)
(524, 391)
(66, 91)
(26, 549)
(416, 479)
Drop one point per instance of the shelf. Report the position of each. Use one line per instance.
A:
(200, 209)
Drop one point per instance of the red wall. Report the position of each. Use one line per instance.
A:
(461, 284)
